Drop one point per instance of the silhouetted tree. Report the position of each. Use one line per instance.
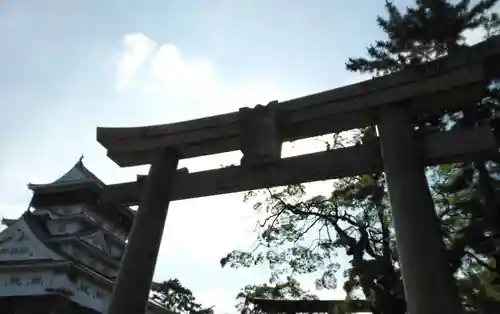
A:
(289, 289)
(174, 296)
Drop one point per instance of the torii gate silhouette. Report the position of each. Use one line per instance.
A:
(387, 102)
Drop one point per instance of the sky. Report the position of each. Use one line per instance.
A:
(67, 67)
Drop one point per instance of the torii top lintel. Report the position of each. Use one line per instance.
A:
(459, 78)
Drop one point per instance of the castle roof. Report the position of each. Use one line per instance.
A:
(78, 177)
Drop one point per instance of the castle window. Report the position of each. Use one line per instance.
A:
(15, 281)
(84, 288)
(99, 295)
(61, 227)
(19, 250)
(36, 281)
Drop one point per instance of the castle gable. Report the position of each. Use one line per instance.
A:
(19, 243)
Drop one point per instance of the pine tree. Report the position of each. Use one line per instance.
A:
(424, 32)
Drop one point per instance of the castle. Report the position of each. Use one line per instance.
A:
(62, 255)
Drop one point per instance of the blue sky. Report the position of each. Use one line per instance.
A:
(67, 67)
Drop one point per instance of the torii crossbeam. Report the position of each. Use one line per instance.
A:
(387, 102)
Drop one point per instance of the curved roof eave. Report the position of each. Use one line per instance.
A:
(77, 174)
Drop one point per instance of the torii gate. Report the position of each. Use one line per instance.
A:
(387, 102)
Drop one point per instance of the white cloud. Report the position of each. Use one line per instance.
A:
(180, 74)
(161, 69)
(189, 85)
(137, 49)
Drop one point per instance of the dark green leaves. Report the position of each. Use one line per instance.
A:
(286, 289)
(423, 32)
(174, 296)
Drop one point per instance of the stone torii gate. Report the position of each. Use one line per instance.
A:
(387, 102)
(312, 306)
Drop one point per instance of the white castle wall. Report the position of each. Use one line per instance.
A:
(48, 282)
(18, 243)
(32, 283)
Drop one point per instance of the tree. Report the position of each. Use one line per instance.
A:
(428, 30)
(289, 289)
(302, 234)
(471, 246)
(174, 296)
(468, 205)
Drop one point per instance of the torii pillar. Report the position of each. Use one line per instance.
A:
(428, 282)
(133, 284)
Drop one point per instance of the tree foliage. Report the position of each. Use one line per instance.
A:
(175, 297)
(424, 32)
(288, 289)
(302, 233)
